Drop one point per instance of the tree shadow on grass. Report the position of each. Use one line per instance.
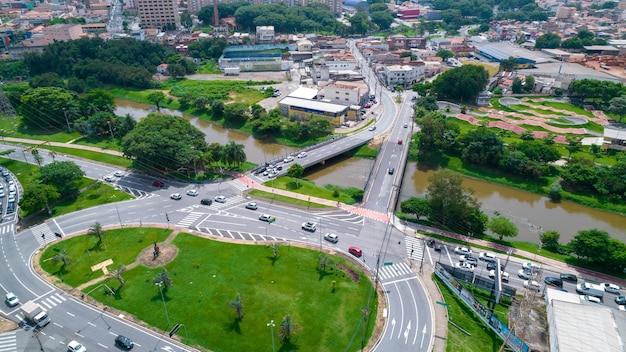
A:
(324, 273)
(273, 259)
(233, 326)
(288, 346)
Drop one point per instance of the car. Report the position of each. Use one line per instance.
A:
(302, 155)
(331, 237)
(272, 174)
(568, 277)
(532, 285)
(1, 193)
(492, 265)
(276, 94)
(288, 159)
(265, 217)
(438, 247)
(11, 198)
(591, 299)
(400, 141)
(504, 276)
(367, 105)
(553, 281)
(621, 300)
(124, 342)
(109, 178)
(405, 125)
(176, 196)
(309, 226)
(531, 266)
(414, 98)
(355, 251)
(5, 172)
(10, 181)
(487, 257)
(524, 274)
(464, 266)
(469, 259)
(622, 308)
(391, 170)
(261, 170)
(118, 173)
(206, 201)
(372, 97)
(75, 346)
(11, 299)
(372, 128)
(611, 288)
(252, 206)
(192, 192)
(220, 199)
(374, 101)
(157, 183)
(462, 250)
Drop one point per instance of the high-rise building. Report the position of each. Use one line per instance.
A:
(194, 6)
(158, 13)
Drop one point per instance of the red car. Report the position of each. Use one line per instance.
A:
(355, 251)
(374, 101)
(367, 106)
(157, 183)
(399, 141)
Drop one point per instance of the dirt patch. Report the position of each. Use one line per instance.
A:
(167, 253)
(353, 275)
(528, 319)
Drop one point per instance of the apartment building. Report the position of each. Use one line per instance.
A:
(265, 34)
(401, 75)
(158, 13)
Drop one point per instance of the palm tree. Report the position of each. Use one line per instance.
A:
(52, 154)
(96, 231)
(325, 261)
(287, 328)
(237, 305)
(163, 278)
(38, 158)
(274, 246)
(233, 153)
(62, 257)
(117, 274)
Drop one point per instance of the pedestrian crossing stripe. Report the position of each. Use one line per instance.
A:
(397, 269)
(190, 219)
(8, 341)
(414, 248)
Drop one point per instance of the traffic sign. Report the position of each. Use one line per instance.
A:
(388, 263)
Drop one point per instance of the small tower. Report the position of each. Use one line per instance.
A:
(216, 17)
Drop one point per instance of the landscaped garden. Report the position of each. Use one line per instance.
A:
(225, 294)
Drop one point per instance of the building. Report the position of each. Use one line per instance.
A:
(401, 75)
(408, 14)
(615, 136)
(194, 6)
(347, 93)
(306, 108)
(267, 57)
(158, 14)
(265, 34)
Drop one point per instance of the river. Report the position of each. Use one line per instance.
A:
(531, 213)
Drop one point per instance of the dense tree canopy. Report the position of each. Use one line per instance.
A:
(596, 90)
(313, 17)
(164, 142)
(548, 41)
(482, 147)
(462, 83)
(210, 48)
(63, 175)
(502, 227)
(46, 108)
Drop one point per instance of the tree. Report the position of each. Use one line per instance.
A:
(595, 150)
(516, 86)
(502, 227)
(236, 112)
(573, 144)
(37, 196)
(509, 64)
(618, 106)
(324, 262)
(185, 20)
(38, 158)
(164, 142)
(233, 154)
(47, 108)
(156, 98)
(482, 147)
(97, 100)
(201, 102)
(63, 258)
(287, 329)
(550, 241)
(617, 258)
(417, 206)
(529, 84)
(217, 107)
(96, 230)
(117, 274)
(382, 18)
(295, 171)
(163, 279)
(462, 83)
(548, 41)
(274, 246)
(237, 305)
(445, 54)
(63, 175)
(592, 245)
(428, 102)
(555, 191)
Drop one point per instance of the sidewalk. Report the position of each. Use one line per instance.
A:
(65, 145)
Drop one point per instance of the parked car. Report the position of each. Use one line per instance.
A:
(611, 288)
(569, 277)
(621, 300)
(487, 257)
(462, 250)
(109, 178)
(591, 299)
(11, 299)
(157, 183)
(309, 226)
(504, 276)
(531, 266)
(176, 196)
(524, 274)
(400, 141)
(75, 346)
(192, 192)
(372, 128)
(355, 251)
(367, 105)
(118, 173)
(124, 342)
(553, 281)
(265, 217)
(206, 201)
(220, 199)
(438, 247)
(331, 237)
(252, 206)
(492, 265)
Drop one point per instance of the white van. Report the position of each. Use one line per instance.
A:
(590, 289)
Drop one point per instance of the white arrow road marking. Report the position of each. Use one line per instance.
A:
(406, 332)
(423, 336)
(393, 326)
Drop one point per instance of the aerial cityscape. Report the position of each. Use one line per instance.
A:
(318, 176)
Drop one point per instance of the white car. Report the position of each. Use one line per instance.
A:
(1, 193)
(252, 206)
(75, 346)
(462, 250)
(265, 217)
(591, 299)
(12, 299)
(288, 159)
(118, 173)
(503, 275)
(372, 128)
(486, 256)
(622, 308)
(176, 196)
(532, 285)
(109, 178)
(192, 192)
(611, 288)
(11, 198)
(531, 266)
(220, 199)
(524, 274)
(309, 226)
(464, 266)
(331, 237)
(302, 155)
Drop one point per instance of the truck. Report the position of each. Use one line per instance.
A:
(35, 314)
(232, 71)
(590, 289)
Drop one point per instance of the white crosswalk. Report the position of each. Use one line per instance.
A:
(238, 184)
(46, 303)
(394, 270)
(6, 229)
(414, 248)
(8, 341)
(43, 233)
(190, 219)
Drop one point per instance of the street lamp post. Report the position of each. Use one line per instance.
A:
(163, 299)
(110, 129)
(271, 325)
(69, 129)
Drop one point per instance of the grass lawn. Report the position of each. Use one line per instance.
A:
(311, 189)
(95, 193)
(481, 338)
(207, 275)
(286, 200)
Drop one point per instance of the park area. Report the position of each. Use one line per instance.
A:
(224, 293)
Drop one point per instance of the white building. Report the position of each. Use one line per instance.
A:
(347, 94)
(265, 34)
(403, 75)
